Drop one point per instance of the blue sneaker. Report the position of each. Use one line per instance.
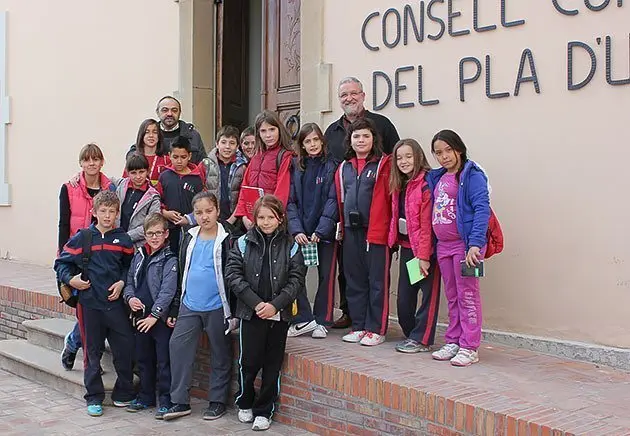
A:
(136, 406)
(95, 410)
(159, 413)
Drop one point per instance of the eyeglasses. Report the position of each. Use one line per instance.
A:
(349, 94)
(158, 234)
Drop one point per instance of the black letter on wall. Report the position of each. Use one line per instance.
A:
(609, 78)
(527, 54)
(375, 75)
(476, 19)
(363, 27)
(510, 23)
(397, 39)
(596, 8)
(452, 15)
(575, 86)
(435, 20)
(466, 80)
(409, 16)
(562, 10)
(421, 99)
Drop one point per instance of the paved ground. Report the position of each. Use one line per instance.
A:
(28, 408)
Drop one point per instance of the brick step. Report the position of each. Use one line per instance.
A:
(40, 364)
(50, 333)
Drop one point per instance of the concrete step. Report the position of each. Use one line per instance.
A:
(34, 362)
(50, 333)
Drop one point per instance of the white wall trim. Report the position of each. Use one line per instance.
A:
(5, 114)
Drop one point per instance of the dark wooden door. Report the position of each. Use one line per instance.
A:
(281, 57)
(233, 69)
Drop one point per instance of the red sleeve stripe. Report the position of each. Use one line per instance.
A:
(109, 247)
(72, 251)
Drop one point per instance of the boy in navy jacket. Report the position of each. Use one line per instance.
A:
(151, 286)
(101, 311)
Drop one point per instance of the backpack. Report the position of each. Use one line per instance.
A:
(69, 295)
(494, 236)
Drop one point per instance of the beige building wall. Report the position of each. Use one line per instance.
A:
(556, 160)
(77, 71)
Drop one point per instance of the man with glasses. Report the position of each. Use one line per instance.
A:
(351, 99)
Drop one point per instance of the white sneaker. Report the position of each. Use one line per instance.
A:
(465, 357)
(320, 332)
(354, 337)
(261, 423)
(245, 415)
(370, 339)
(447, 352)
(301, 328)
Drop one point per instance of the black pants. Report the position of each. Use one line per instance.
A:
(343, 301)
(154, 364)
(418, 325)
(323, 306)
(262, 347)
(174, 237)
(367, 276)
(113, 325)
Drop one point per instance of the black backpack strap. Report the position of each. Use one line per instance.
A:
(279, 159)
(86, 242)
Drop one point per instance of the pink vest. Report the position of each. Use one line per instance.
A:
(81, 203)
(263, 170)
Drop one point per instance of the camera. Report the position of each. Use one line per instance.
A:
(355, 219)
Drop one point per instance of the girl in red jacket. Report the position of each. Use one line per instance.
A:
(362, 183)
(410, 228)
(269, 168)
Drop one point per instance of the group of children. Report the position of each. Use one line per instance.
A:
(206, 259)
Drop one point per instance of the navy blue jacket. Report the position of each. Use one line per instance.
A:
(109, 262)
(160, 272)
(358, 190)
(324, 212)
(473, 203)
(177, 191)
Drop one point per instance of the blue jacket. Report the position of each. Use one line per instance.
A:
(325, 210)
(473, 203)
(161, 276)
(109, 262)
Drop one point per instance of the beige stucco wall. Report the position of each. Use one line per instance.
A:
(78, 71)
(556, 160)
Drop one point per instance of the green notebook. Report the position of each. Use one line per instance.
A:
(413, 269)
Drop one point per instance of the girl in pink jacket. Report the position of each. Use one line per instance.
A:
(410, 228)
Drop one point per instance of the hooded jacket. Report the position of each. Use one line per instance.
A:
(235, 177)
(367, 193)
(325, 213)
(287, 270)
(473, 203)
(161, 275)
(148, 204)
(418, 211)
(221, 249)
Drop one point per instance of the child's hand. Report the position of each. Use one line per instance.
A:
(424, 267)
(115, 290)
(144, 325)
(171, 322)
(247, 223)
(135, 304)
(315, 238)
(473, 257)
(79, 284)
(301, 239)
(182, 221)
(74, 180)
(172, 215)
(265, 310)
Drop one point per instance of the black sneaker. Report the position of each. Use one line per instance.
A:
(159, 413)
(177, 411)
(67, 357)
(136, 406)
(214, 411)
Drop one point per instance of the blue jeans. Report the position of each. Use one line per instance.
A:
(73, 340)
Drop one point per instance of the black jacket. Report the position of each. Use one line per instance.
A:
(336, 135)
(244, 264)
(189, 132)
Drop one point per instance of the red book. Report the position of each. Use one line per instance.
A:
(250, 196)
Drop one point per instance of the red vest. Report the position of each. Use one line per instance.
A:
(263, 170)
(81, 203)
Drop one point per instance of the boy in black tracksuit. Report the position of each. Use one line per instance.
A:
(101, 311)
(177, 186)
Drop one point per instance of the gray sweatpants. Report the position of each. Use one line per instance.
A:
(183, 347)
